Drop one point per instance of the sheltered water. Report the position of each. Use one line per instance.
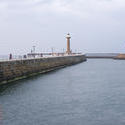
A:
(90, 93)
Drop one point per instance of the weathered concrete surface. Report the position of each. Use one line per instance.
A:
(18, 69)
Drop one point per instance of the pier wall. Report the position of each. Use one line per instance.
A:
(120, 57)
(18, 69)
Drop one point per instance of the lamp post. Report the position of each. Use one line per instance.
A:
(52, 51)
(34, 48)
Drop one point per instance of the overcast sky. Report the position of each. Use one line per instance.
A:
(95, 25)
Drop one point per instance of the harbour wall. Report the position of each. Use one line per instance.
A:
(18, 69)
(101, 55)
(121, 56)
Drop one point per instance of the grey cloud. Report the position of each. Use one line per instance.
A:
(95, 25)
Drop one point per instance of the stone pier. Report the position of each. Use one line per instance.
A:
(18, 69)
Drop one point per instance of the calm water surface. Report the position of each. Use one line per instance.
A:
(90, 93)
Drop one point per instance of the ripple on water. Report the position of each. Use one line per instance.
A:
(90, 93)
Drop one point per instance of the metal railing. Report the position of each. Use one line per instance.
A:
(34, 56)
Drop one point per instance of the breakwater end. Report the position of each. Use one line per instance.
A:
(13, 70)
(120, 57)
(101, 55)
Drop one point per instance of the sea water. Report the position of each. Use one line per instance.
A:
(89, 93)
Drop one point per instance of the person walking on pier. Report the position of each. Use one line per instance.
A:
(10, 56)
